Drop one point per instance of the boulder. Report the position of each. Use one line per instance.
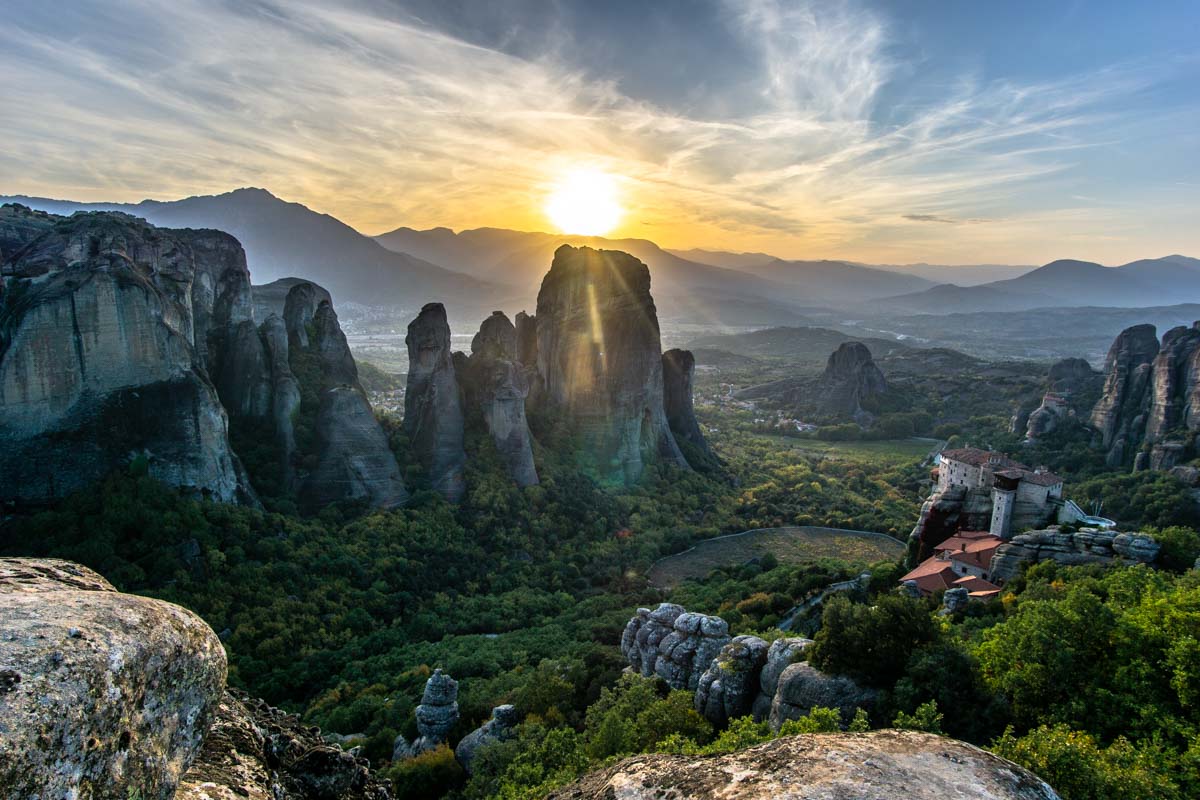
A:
(102, 690)
(880, 764)
(600, 358)
(433, 415)
(686, 652)
(728, 687)
(954, 600)
(255, 752)
(679, 369)
(644, 632)
(802, 687)
(781, 655)
(500, 727)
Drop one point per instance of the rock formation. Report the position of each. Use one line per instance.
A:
(109, 329)
(271, 298)
(433, 416)
(851, 379)
(802, 687)
(497, 385)
(728, 688)
(949, 510)
(955, 600)
(500, 727)
(781, 655)
(1086, 546)
(881, 764)
(527, 343)
(255, 752)
(679, 368)
(1071, 388)
(436, 716)
(674, 644)
(101, 690)
(1151, 397)
(600, 358)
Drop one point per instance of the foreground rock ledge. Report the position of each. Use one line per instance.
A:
(847, 766)
(99, 691)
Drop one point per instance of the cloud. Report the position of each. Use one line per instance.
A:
(385, 120)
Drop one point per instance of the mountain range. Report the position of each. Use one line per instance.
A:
(475, 271)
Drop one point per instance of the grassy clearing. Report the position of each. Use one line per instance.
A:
(789, 545)
(898, 451)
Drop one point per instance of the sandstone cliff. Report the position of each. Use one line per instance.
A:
(600, 359)
(109, 329)
(1151, 399)
(433, 416)
(881, 764)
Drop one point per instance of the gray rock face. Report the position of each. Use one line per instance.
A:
(673, 644)
(244, 381)
(600, 356)
(102, 690)
(851, 378)
(433, 415)
(527, 343)
(498, 386)
(436, 715)
(679, 369)
(781, 655)
(285, 391)
(500, 727)
(299, 308)
(1175, 386)
(954, 600)
(728, 687)
(1119, 417)
(880, 764)
(104, 350)
(271, 298)
(1086, 546)
(256, 752)
(802, 687)
(354, 461)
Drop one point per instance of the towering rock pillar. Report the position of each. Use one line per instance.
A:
(679, 369)
(433, 416)
(498, 386)
(1120, 415)
(600, 356)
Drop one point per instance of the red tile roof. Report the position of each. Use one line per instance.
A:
(932, 575)
(978, 553)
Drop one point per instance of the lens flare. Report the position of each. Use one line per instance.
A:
(585, 202)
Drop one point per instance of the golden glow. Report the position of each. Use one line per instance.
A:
(585, 202)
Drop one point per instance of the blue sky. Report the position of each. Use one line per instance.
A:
(949, 132)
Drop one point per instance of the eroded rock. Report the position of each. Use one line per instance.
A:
(728, 687)
(500, 727)
(104, 690)
(679, 369)
(802, 687)
(433, 415)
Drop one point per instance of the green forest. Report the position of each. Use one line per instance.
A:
(522, 595)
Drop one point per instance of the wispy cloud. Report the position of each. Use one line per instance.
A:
(386, 121)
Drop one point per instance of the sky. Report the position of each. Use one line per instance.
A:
(893, 131)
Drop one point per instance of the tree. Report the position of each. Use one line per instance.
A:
(871, 643)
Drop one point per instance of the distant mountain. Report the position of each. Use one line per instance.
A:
(284, 239)
(1067, 283)
(752, 288)
(963, 275)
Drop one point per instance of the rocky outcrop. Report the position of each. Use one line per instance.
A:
(954, 600)
(436, 716)
(947, 511)
(880, 764)
(1175, 386)
(101, 690)
(500, 727)
(527, 343)
(285, 393)
(781, 655)
(1086, 546)
(271, 298)
(351, 457)
(674, 644)
(802, 687)
(255, 752)
(728, 688)
(600, 358)
(679, 369)
(109, 330)
(851, 379)
(496, 384)
(433, 415)
(1119, 416)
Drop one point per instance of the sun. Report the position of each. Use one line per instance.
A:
(585, 202)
